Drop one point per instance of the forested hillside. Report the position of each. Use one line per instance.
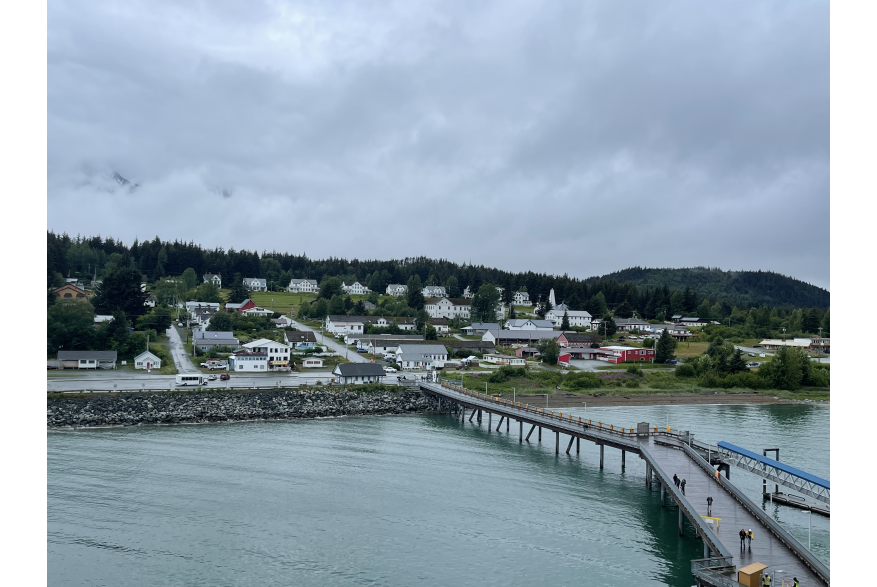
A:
(652, 293)
(737, 288)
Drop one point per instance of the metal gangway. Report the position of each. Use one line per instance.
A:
(776, 471)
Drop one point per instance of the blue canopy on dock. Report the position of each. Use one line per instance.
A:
(776, 464)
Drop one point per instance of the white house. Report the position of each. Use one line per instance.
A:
(347, 324)
(87, 359)
(282, 322)
(397, 289)
(496, 359)
(403, 322)
(480, 327)
(303, 286)
(311, 362)
(528, 324)
(445, 307)
(257, 311)
(277, 353)
(355, 288)
(357, 373)
(434, 291)
(196, 307)
(248, 361)
(522, 298)
(216, 278)
(420, 356)
(255, 284)
(441, 325)
(149, 302)
(467, 293)
(207, 339)
(98, 318)
(576, 317)
(147, 360)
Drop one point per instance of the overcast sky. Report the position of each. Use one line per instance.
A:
(567, 137)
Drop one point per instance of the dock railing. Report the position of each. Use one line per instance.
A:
(717, 571)
(621, 431)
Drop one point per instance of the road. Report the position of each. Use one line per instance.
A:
(178, 352)
(121, 380)
(329, 342)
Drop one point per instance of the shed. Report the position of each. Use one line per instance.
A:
(750, 575)
(147, 360)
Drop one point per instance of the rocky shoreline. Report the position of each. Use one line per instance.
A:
(132, 409)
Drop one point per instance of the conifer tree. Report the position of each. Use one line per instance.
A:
(665, 347)
(564, 325)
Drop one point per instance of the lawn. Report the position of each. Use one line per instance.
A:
(283, 303)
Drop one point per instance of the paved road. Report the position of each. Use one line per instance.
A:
(138, 382)
(757, 352)
(178, 352)
(329, 342)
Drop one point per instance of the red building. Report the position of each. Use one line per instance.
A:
(239, 308)
(620, 354)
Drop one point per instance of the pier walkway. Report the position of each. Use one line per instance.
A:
(665, 453)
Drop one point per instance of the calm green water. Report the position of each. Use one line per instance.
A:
(420, 500)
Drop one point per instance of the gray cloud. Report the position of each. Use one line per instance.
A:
(574, 138)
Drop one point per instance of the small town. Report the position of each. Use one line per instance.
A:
(443, 294)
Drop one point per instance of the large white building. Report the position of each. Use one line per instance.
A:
(303, 286)
(355, 288)
(576, 317)
(276, 353)
(421, 356)
(445, 307)
(343, 325)
(434, 291)
(522, 298)
(397, 289)
(255, 284)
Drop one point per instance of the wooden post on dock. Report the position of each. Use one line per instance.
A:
(557, 443)
(578, 444)
(569, 446)
(507, 424)
(622, 458)
(521, 431)
(540, 433)
(530, 432)
(601, 456)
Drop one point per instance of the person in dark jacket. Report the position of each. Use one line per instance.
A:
(709, 505)
(683, 486)
(742, 538)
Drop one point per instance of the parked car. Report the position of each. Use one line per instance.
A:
(753, 364)
(361, 351)
(211, 378)
(620, 338)
(671, 362)
(460, 367)
(751, 354)
(205, 365)
(389, 370)
(224, 377)
(756, 346)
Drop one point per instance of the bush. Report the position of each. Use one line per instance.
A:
(552, 378)
(505, 373)
(581, 380)
(685, 370)
(634, 370)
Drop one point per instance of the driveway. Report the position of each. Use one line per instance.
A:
(178, 352)
(330, 342)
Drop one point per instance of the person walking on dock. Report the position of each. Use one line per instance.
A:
(749, 539)
(709, 505)
(683, 486)
(675, 480)
(795, 582)
(742, 538)
(765, 580)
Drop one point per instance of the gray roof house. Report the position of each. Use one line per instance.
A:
(358, 373)
(256, 284)
(207, 339)
(414, 356)
(87, 359)
(480, 327)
